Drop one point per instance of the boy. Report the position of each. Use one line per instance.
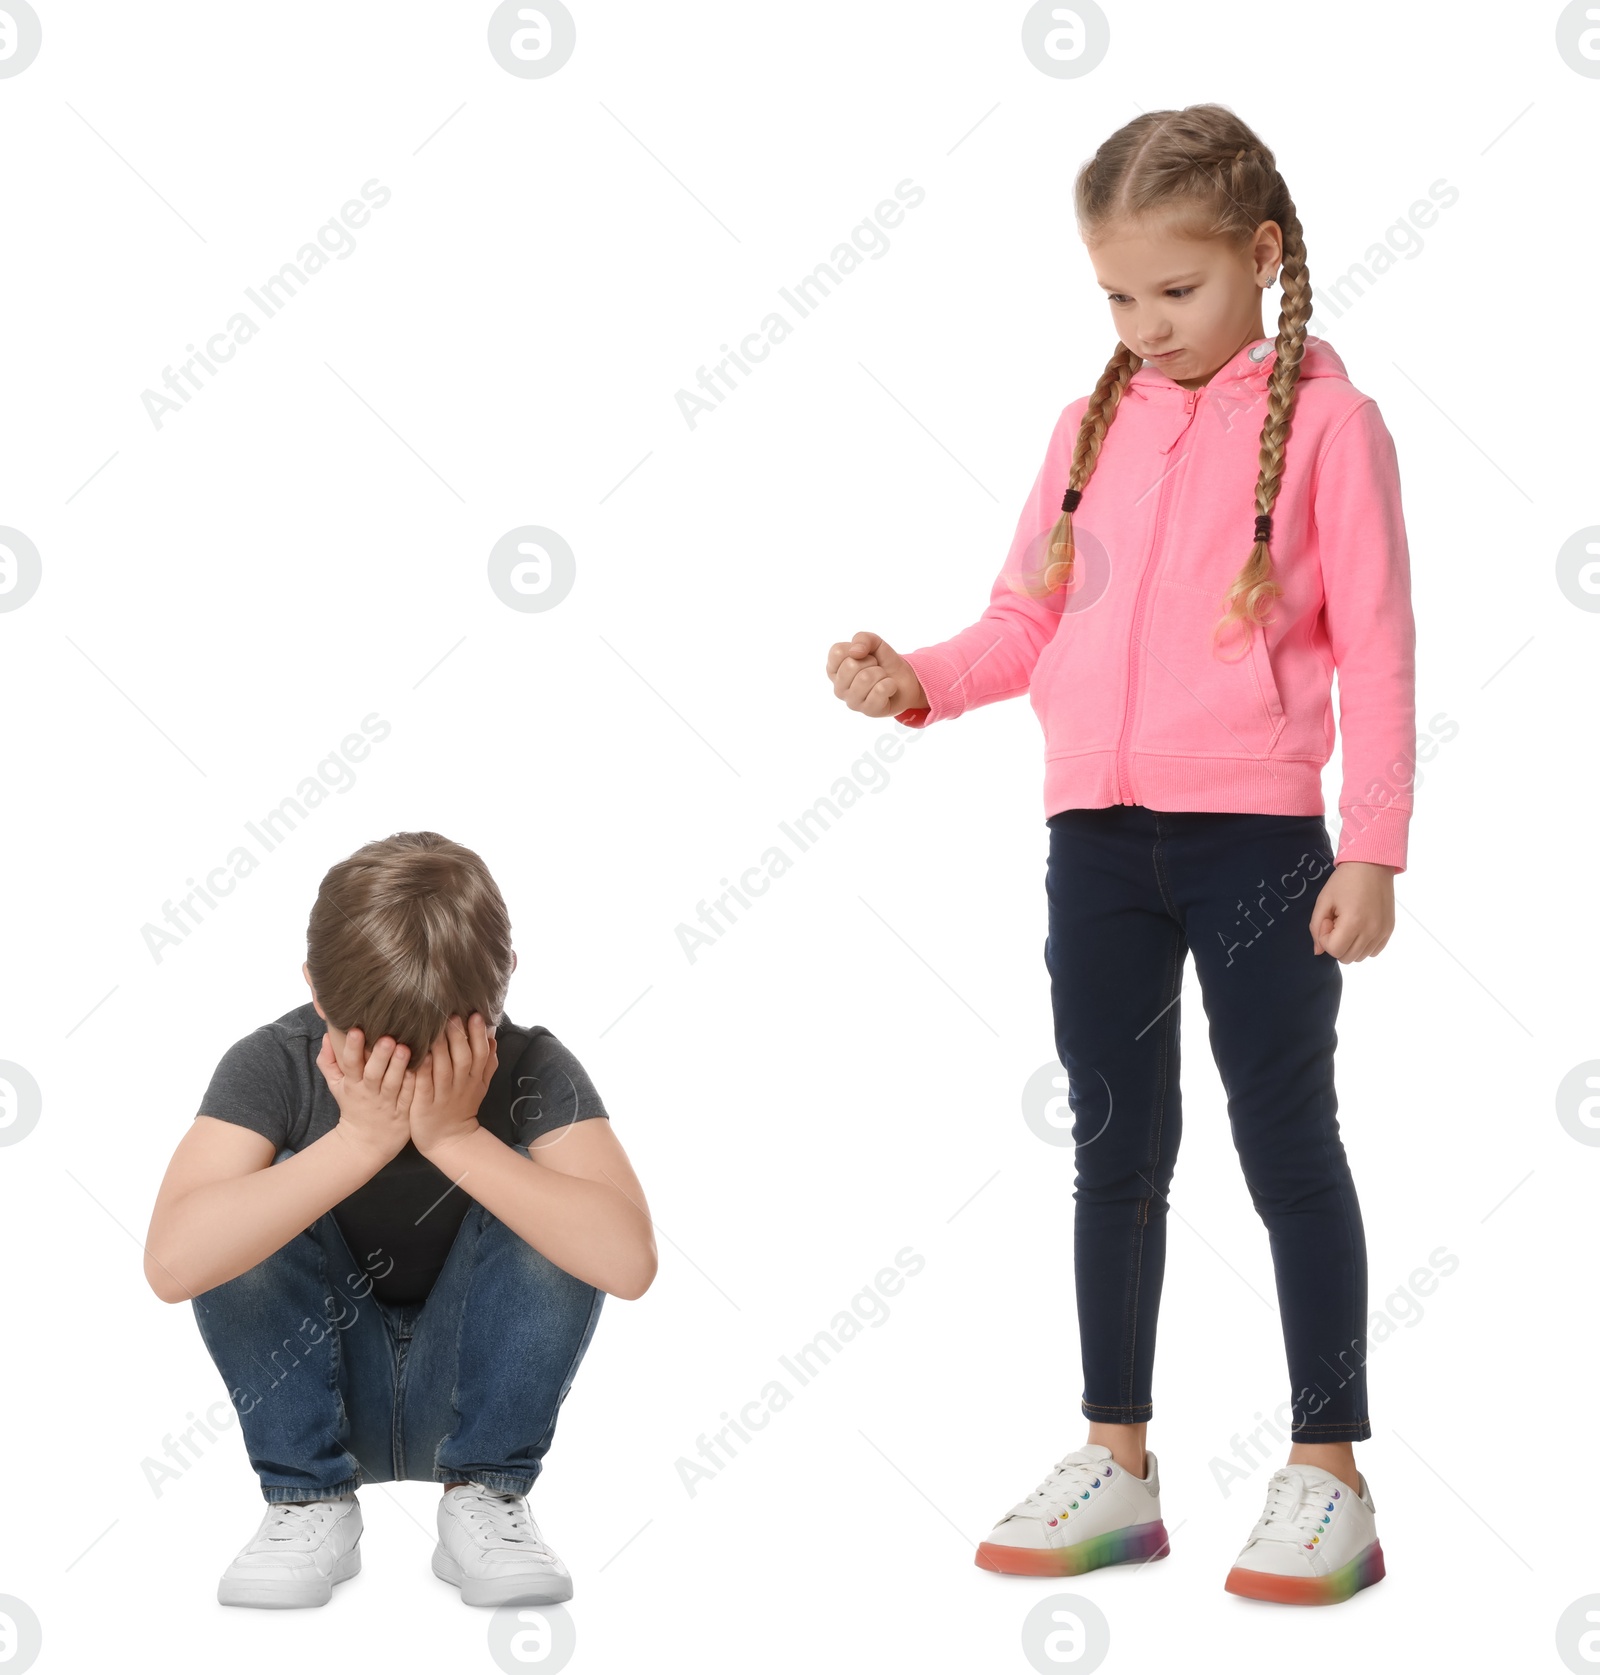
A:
(396, 1216)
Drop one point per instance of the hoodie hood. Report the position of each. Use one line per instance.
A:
(1246, 374)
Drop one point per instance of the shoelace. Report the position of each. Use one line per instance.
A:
(293, 1521)
(1299, 1506)
(1072, 1480)
(505, 1515)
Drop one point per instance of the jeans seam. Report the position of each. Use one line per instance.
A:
(1144, 1205)
(336, 1358)
(1130, 1359)
(572, 1368)
(295, 1497)
(1355, 1430)
(1141, 1214)
(1169, 1024)
(397, 1431)
(1330, 1168)
(1346, 1199)
(1161, 875)
(441, 1473)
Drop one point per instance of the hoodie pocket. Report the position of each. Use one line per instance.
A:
(1077, 689)
(1198, 698)
(1266, 683)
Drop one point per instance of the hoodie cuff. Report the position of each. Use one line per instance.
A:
(1368, 833)
(940, 676)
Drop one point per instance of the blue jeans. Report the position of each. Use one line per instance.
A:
(1131, 893)
(334, 1388)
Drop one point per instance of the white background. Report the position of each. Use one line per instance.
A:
(225, 597)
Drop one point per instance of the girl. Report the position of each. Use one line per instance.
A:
(1185, 707)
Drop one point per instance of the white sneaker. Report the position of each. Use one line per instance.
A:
(300, 1551)
(1089, 1512)
(491, 1549)
(1316, 1542)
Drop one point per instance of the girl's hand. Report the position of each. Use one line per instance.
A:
(451, 1083)
(872, 677)
(372, 1090)
(1354, 915)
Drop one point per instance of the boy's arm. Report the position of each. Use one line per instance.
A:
(223, 1208)
(575, 1199)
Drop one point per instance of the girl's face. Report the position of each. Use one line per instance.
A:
(1188, 307)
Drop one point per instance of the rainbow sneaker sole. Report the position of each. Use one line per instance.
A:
(1130, 1546)
(1361, 1572)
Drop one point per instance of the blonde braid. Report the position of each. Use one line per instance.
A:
(1061, 550)
(1255, 585)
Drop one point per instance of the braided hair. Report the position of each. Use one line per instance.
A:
(1206, 165)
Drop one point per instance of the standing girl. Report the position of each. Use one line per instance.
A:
(1186, 712)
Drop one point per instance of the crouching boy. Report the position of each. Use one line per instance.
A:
(396, 1217)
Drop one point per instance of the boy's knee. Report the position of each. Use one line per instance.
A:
(531, 1268)
(269, 1277)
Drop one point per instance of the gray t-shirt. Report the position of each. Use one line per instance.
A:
(401, 1224)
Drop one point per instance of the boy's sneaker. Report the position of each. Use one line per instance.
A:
(300, 1551)
(1316, 1542)
(491, 1549)
(1089, 1512)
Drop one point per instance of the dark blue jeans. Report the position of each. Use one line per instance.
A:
(334, 1389)
(1132, 892)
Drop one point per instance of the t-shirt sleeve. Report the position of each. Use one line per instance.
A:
(552, 1090)
(254, 1086)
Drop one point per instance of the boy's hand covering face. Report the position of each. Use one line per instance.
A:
(372, 1090)
(451, 1083)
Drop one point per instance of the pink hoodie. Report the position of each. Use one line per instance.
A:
(1135, 705)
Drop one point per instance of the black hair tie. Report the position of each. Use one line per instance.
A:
(1069, 501)
(1264, 527)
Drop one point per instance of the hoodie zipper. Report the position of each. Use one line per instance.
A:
(1135, 641)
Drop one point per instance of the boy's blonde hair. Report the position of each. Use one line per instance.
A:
(404, 932)
(1200, 173)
